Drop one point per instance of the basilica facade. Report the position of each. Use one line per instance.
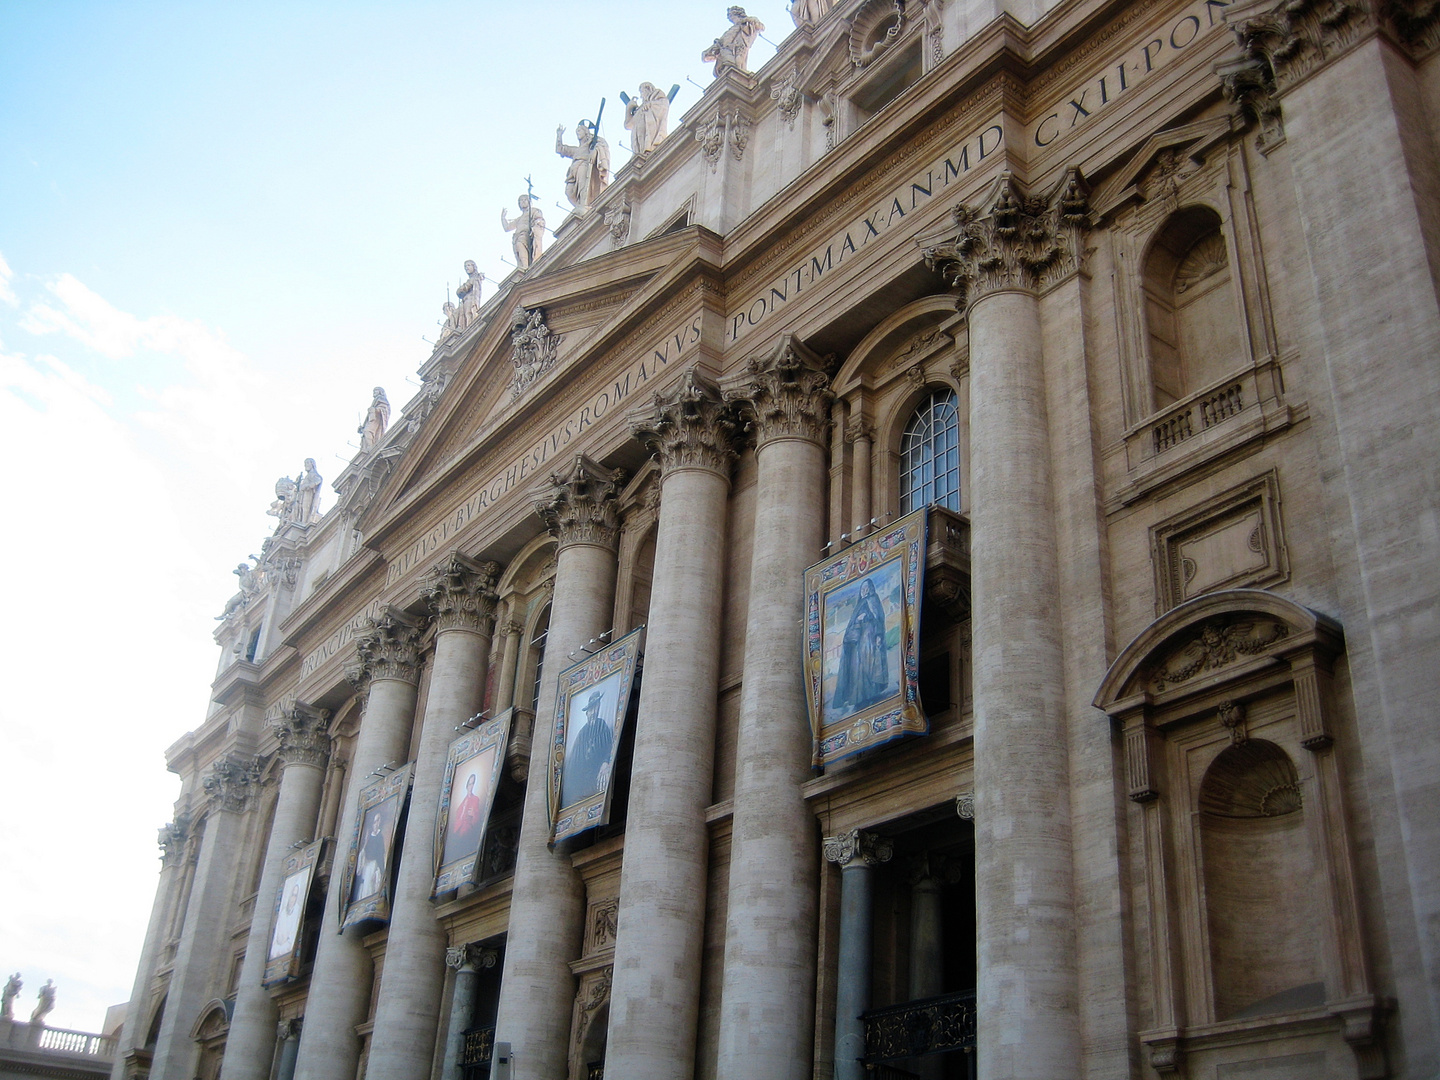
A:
(1092, 346)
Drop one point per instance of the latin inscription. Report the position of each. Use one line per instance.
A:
(1199, 23)
(530, 465)
(337, 641)
(886, 216)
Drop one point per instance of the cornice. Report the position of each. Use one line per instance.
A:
(323, 602)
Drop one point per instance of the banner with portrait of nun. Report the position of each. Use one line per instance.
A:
(282, 960)
(862, 642)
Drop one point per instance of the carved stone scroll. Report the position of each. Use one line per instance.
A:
(858, 846)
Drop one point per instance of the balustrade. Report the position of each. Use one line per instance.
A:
(936, 1025)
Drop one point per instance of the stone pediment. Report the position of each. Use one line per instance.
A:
(1166, 153)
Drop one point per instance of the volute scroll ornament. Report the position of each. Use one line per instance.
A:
(389, 647)
(584, 504)
(461, 593)
(1014, 240)
(858, 846)
(787, 395)
(472, 955)
(230, 783)
(1297, 36)
(692, 427)
(304, 740)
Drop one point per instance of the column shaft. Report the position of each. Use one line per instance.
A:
(1028, 1028)
(289, 1053)
(547, 908)
(767, 1012)
(407, 1012)
(860, 432)
(655, 996)
(509, 660)
(340, 983)
(852, 983)
(462, 1006)
(250, 1044)
(132, 1032)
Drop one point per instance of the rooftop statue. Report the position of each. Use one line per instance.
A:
(468, 292)
(13, 986)
(589, 172)
(528, 229)
(732, 48)
(809, 12)
(284, 498)
(377, 419)
(45, 1002)
(306, 507)
(645, 117)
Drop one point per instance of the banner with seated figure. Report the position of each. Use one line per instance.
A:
(862, 642)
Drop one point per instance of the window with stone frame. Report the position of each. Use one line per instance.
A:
(930, 454)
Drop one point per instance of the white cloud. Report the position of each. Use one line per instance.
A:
(7, 294)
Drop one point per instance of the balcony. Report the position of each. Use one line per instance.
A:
(920, 1029)
(475, 1054)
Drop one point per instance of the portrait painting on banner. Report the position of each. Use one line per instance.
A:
(282, 958)
(366, 886)
(590, 708)
(467, 794)
(862, 641)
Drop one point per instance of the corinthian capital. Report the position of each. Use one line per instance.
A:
(302, 735)
(583, 504)
(461, 593)
(1014, 240)
(1297, 36)
(389, 647)
(858, 846)
(172, 840)
(787, 394)
(691, 427)
(230, 782)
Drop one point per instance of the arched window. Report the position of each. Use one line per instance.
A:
(1191, 316)
(930, 454)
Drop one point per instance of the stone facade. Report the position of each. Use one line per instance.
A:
(1139, 297)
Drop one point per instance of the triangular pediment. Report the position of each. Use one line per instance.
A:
(1192, 140)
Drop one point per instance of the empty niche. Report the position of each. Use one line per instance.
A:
(1258, 875)
(1191, 319)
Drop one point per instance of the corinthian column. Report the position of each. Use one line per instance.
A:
(767, 1007)
(304, 748)
(461, 593)
(547, 904)
(856, 853)
(205, 940)
(1005, 253)
(389, 653)
(655, 996)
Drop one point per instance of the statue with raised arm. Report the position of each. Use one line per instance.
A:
(468, 293)
(809, 12)
(44, 1003)
(13, 986)
(528, 228)
(589, 172)
(377, 419)
(645, 117)
(732, 48)
(307, 494)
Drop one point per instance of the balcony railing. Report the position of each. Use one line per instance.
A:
(476, 1053)
(1199, 414)
(936, 1025)
(76, 1042)
(595, 1071)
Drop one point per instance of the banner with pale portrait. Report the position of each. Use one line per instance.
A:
(467, 793)
(365, 887)
(282, 959)
(862, 642)
(590, 709)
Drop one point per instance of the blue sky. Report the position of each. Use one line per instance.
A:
(220, 226)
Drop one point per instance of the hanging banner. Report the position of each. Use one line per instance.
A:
(590, 709)
(467, 794)
(282, 960)
(366, 884)
(862, 642)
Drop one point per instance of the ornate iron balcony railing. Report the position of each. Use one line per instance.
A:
(935, 1025)
(476, 1053)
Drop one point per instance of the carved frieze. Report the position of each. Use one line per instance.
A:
(786, 395)
(302, 734)
(858, 846)
(788, 97)
(691, 427)
(584, 506)
(727, 128)
(1015, 240)
(533, 351)
(461, 593)
(1217, 644)
(617, 221)
(389, 647)
(230, 783)
(604, 919)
